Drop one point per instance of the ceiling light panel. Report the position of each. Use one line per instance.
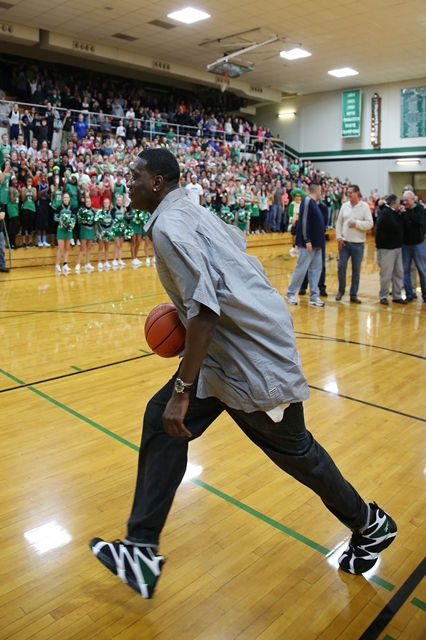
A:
(294, 54)
(189, 15)
(343, 73)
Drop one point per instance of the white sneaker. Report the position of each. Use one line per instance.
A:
(100, 266)
(40, 245)
(46, 244)
(66, 269)
(89, 268)
(154, 261)
(78, 243)
(72, 242)
(290, 299)
(137, 261)
(293, 251)
(77, 268)
(107, 265)
(114, 263)
(121, 263)
(316, 302)
(57, 269)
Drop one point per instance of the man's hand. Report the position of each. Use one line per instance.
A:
(174, 415)
(352, 224)
(340, 244)
(309, 247)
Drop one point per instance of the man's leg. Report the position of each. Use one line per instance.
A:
(303, 261)
(292, 447)
(386, 259)
(342, 266)
(397, 275)
(162, 462)
(357, 252)
(314, 273)
(407, 256)
(321, 284)
(420, 260)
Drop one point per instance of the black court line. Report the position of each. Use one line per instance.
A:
(361, 344)
(395, 603)
(368, 404)
(76, 373)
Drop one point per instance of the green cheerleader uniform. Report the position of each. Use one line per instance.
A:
(86, 218)
(226, 214)
(104, 224)
(120, 224)
(140, 218)
(243, 219)
(67, 221)
(13, 207)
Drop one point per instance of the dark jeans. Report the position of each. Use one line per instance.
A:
(416, 252)
(163, 460)
(354, 251)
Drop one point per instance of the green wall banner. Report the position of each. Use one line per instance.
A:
(413, 112)
(351, 113)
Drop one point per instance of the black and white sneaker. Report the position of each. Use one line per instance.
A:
(138, 567)
(364, 548)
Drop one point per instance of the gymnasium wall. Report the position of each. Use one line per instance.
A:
(315, 133)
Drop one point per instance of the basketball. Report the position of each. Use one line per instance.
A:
(164, 332)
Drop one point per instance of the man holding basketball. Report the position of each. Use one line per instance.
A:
(240, 357)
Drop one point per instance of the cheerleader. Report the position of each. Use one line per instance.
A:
(138, 220)
(66, 222)
(86, 218)
(243, 216)
(225, 212)
(118, 213)
(13, 210)
(56, 193)
(104, 224)
(28, 211)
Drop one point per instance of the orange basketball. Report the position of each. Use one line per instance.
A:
(164, 332)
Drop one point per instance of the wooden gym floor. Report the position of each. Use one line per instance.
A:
(250, 553)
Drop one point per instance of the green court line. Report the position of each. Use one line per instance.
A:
(257, 514)
(382, 583)
(143, 351)
(76, 368)
(261, 516)
(419, 603)
(388, 637)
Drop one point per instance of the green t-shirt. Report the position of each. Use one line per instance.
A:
(4, 151)
(57, 199)
(28, 200)
(13, 207)
(72, 189)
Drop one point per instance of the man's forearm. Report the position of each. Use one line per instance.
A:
(199, 334)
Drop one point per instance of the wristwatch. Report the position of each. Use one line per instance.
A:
(181, 386)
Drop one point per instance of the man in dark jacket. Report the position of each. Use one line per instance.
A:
(389, 238)
(413, 247)
(311, 241)
(321, 284)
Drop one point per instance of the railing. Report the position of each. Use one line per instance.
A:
(151, 128)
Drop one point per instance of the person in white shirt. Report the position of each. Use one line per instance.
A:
(120, 131)
(354, 221)
(194, 191)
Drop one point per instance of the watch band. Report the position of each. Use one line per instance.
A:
(181, 386)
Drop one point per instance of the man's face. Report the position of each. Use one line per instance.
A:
(316, 195)
(354, 196)
(141, 185)
(395, 204)
(408, 201)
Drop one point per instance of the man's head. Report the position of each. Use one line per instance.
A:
(354, 194)
(393, 201)
(155, 172)
(315, 192)
(408, 198)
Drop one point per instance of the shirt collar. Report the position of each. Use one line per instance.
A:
(171, 197)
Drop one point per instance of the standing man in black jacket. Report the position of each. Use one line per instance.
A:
(413, 247)
(389, 238)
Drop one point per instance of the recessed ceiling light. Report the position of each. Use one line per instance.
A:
(342, 73)
(188, 15)
(293, 54)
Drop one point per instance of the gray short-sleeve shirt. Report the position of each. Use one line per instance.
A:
(252, 362)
